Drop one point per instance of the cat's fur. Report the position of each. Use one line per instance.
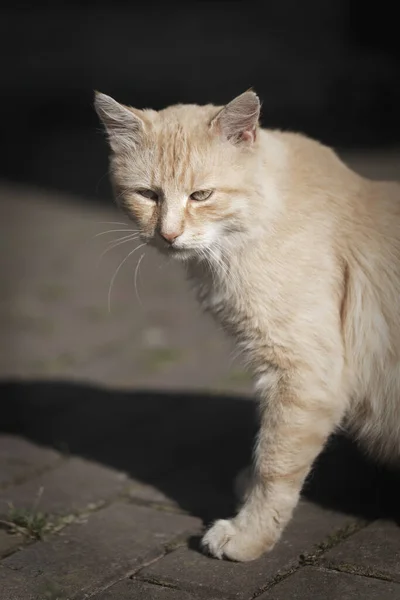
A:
(299, 258)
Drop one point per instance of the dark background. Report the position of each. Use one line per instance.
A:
(329, 68)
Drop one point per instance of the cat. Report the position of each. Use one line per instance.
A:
(295, 255)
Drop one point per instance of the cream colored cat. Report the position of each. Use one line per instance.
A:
(298, 257)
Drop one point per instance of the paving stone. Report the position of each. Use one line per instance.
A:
(14, 586)
(9, 543)
(189, 569)
(19, 458)
(134, 590)
(72, 486)
(113, 543)
(374, 551)
(320, 584)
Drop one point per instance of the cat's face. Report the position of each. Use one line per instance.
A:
(182, 173)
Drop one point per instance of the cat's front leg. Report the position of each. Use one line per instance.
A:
(298, 413)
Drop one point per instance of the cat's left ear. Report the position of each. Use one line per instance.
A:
(124, 127)
(238, 120)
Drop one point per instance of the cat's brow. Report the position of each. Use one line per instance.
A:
(175, 156)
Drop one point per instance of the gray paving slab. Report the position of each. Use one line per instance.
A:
(109, 545)
(15, 586)
(319, 584)
(20, 459)
(71, 487)
(133, 590)
(188, 569)
(374, 551)
(10, 542)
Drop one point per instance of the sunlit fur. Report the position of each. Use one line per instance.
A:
(299, 258)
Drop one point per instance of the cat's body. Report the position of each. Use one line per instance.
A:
(332, 258)
(299, 258)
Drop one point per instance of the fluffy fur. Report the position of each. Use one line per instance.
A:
(299, 258)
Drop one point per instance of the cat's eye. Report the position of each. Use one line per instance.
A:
(150, 194)
(201, 195)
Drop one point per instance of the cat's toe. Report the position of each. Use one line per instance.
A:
(224, 540)
(217, 537)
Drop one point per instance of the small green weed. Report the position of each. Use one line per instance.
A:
(27, 521)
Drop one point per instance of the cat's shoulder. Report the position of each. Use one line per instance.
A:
(297, 142)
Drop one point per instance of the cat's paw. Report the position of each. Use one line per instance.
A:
(225, 540)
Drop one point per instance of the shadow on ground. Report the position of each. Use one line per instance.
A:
(189, 446)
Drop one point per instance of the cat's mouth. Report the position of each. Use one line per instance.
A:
(174, 250)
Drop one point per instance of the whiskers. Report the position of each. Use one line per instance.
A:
(136, 277)
(132, 235)
(119, 268)
(122, 240)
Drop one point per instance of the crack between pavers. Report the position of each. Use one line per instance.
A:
(160, 582)
(311, 558)
(132, 574)
(361, 571)
(176, 543)
(170, 508)
(24, 544)
(76, 517)
(62, 521)
(280, 576)
(172, 546)
(333, 540)
(109, 585)
(203, 592)
(306, 559)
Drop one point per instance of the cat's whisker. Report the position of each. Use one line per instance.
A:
(116, 243)
(133, 235)
(114, 231)
(111, 223)
(100, 180)
(136, 277)
(122, 240)
(117, 271)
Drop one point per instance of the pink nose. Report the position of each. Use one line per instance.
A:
(170, 237)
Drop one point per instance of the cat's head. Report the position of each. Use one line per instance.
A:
(185, 174)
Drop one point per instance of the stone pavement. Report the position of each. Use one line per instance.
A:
(121, 433)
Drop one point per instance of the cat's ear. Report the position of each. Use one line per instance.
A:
(238, 120)
(123, 126)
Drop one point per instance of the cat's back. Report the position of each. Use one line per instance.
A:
(364, 236)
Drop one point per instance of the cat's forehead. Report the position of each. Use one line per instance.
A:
(180, 145)
(189, 116)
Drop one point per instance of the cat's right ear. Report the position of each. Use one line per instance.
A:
(123, 126)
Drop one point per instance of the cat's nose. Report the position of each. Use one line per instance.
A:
(170, 237)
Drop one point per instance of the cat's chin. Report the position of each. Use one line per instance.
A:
(181, 253)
